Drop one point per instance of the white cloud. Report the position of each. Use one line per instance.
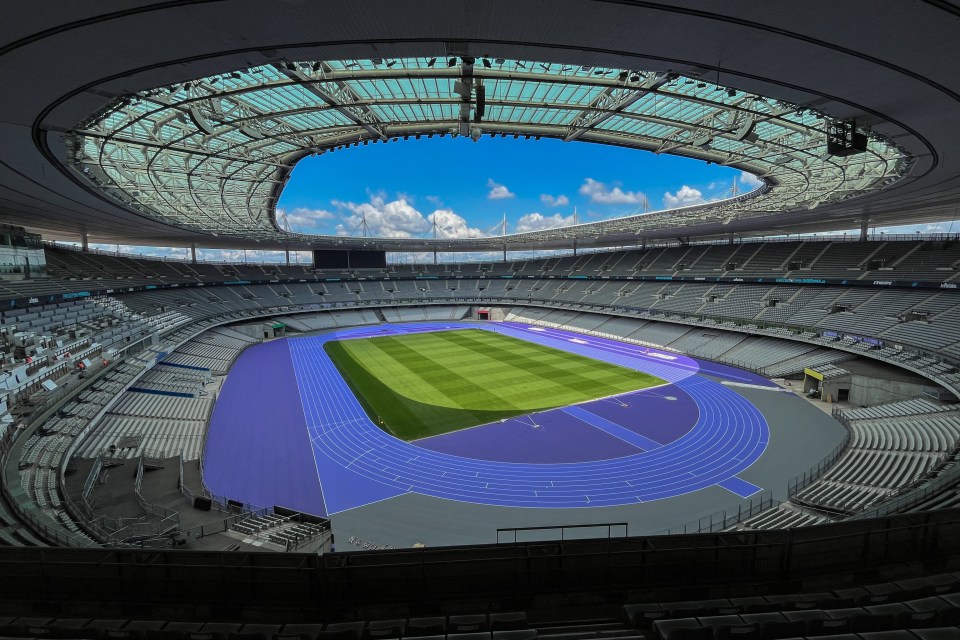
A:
(151, 252)
(219, 255)
(554, 201)
(394, 219)
(539, 222)
(599, 192)
(452, 225)
(750, 180)
(252, 255)
(303, 218)
(685, 196)
(400, 219)
(498, 191)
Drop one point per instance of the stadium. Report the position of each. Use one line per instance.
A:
(735, 417)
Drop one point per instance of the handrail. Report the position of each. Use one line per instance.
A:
(801, 481)
(725, 519)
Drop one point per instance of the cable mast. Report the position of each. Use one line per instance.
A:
(503, 234)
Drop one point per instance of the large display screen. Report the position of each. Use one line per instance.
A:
(349, 259)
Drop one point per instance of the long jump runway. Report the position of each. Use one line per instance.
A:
(287, 430)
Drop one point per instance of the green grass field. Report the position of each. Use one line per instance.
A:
(425, 384)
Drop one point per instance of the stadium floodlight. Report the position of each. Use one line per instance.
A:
(486, 63)
(451, 62)
(431, 62)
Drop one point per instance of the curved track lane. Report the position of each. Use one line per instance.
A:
(729, 435)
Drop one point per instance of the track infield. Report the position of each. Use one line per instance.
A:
(419, 385)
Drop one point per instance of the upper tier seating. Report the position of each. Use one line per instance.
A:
(934, 260)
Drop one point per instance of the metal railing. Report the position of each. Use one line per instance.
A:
(321, 587)
(726, 518)
(560, 532)
(802, 481)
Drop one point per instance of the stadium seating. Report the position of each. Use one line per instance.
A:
(777, 330)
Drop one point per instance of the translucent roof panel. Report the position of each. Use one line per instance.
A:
(213, 154)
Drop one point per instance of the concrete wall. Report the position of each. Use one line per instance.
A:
(254, 330)
(497, 314)
(866, 390)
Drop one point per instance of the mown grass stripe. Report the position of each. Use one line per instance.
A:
(562, 372)
(430, 383)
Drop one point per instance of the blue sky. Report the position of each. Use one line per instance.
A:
(401, 187)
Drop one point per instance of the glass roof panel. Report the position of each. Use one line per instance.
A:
(211, 154)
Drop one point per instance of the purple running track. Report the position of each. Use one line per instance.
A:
(548, 437)
(260, 449)
(285, 430)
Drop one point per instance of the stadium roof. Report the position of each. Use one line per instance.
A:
(213, 154)
(179, 122)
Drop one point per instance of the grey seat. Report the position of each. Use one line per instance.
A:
(663, 628)
(343, 629)
(887, 635)
(518, 634)
(385, 629)
(475, 635)
(422, 627)
(938, 633)
(467, 623)
(714, 622)
(302, 629)
(508, 621)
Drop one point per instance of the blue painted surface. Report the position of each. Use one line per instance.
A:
(544, 438)
(641, 442)
(715, 433)
(257, 449)
(740, 487)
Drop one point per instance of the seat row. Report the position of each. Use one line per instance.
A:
(494, 626)
(911, 604)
